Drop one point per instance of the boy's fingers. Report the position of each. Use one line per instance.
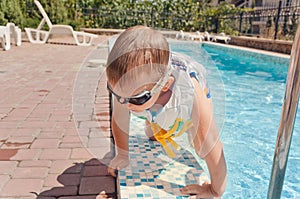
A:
(192, 189)
(102, 195)
(111, 171)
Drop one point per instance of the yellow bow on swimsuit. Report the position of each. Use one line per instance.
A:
(164, 136)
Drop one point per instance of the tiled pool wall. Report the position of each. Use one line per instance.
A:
(151, 173)
(279, 46)
(282, 60)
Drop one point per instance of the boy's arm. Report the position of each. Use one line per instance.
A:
(208, 146)
(120, 129)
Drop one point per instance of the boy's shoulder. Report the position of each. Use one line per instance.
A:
(186, 63)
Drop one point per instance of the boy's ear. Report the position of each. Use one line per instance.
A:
(168, 84)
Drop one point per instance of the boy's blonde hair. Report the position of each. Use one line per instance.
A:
(137, 46)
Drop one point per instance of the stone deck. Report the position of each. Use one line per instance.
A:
(50, 119)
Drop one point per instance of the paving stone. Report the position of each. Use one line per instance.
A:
(18, 142)
(79, 197)
(29, 197)
(51, 181)
(64, 125)
(3, 180)
(72, 131)
(71, 138)
(66, 166)
(93, 162)
(9, 125)
(101, 153)
(45, 197)
(97, 142)
(31, 132)
(45, 143)
(7, 167)
(37, 124)
(35, 163)
(30, 172)
(90, 171)
(55, 154)
(94, 185)
(5, 133)
(60, 191)
(88, 124)
(26, 154)
(99, 132)
(21, 187)
(69, 179)
(70, 145)
(51, 134)
(80, 153)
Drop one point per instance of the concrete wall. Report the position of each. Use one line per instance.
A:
(263, 44)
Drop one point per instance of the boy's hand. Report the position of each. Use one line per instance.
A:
(200, 191)
(119, 162)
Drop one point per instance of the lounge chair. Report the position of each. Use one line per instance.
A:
(221, 37)
(207, 36)
(195, 36)
(186, 36)
(8, 31)
(180, 35)
(39, 36)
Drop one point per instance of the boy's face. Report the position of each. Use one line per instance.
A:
(138, 87)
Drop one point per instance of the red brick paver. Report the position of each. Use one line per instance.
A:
(51, 109)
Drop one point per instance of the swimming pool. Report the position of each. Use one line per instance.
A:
(254, 86)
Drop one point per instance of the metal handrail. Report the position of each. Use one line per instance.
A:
(285, 130)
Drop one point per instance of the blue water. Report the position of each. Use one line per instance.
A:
(253, 86)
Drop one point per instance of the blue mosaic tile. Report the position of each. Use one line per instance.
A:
(160, 186)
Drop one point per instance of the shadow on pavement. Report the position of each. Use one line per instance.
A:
(84, 181)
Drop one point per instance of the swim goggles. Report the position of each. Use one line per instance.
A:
(144, 96)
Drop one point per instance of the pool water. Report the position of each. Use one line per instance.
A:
(254, 86)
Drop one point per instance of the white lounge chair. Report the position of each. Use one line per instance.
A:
(221, 37)
(180, 35)
(196, 36)
(207, 36)
(186, 36)
(39, 36)
(8, 31)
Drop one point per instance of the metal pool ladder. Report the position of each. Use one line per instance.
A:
(285, 130)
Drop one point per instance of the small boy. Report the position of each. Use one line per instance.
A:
(169, 91)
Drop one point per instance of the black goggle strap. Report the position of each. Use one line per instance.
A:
(121, 100)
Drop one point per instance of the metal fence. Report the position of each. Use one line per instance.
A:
(277, 23)
(274, 23)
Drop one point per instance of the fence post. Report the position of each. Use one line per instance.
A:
(216, 24)
(241, 22)
(152, 23)
(287, 4)
(75, 7)
(277, 19)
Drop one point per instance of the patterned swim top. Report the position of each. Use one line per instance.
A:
(174, 118)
